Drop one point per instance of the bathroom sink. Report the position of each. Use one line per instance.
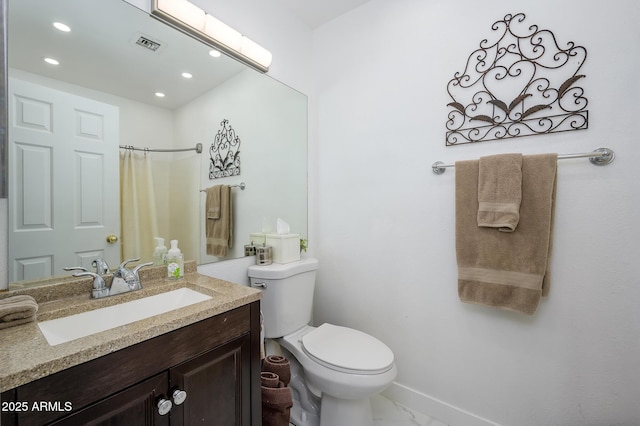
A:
(73, 327)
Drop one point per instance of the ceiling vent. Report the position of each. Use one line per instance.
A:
(148, 43)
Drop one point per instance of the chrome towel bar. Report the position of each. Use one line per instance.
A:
(599, 157)
(241, 185)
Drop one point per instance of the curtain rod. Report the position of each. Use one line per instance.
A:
(198, 149)
(599, 157)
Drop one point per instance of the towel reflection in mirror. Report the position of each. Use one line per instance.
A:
(219, 220)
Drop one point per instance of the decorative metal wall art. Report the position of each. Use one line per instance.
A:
(225, 153)
(520, 84)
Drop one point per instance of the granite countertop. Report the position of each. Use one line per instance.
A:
(26, 356)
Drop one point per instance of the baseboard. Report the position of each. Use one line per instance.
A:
(432, 407)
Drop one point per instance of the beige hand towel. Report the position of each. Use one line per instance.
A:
(17, 310)
(506, 270)
(500, 191)
(213, 202)
(219, 232)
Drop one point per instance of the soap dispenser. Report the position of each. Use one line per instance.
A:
(175, 261)
(160, 252)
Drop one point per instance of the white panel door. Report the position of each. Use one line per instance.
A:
(64, 181)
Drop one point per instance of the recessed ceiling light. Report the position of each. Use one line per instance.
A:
(62, 27)
(187, 75)
(51, 61)
(214, 53)
(160, 94)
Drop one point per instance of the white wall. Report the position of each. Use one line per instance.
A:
(385, 223)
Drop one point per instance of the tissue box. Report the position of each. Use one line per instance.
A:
(286, 247)
(258, 238)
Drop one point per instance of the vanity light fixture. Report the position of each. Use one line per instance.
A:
(194, 21)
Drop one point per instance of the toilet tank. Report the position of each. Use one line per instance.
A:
(287, 294)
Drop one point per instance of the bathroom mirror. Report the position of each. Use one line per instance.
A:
(116, 54)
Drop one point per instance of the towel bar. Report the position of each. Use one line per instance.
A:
(599, 157)
(241, 185)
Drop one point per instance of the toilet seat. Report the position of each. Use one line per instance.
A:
(347, 350)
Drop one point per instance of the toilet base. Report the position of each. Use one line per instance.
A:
(343, 397)
(345, 412)
(306, 406)
(309, 410)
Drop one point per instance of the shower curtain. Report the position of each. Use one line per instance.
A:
(138, 219)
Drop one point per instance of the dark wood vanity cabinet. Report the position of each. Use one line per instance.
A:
(215, 394)
(135, 405)
(216, 362)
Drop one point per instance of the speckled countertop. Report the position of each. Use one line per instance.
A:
(25, 354)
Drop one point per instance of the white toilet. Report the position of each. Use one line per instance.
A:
(334, 369)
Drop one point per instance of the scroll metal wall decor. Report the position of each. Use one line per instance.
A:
(521, 84)
(225, 153)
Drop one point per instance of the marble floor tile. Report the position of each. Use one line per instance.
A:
(389, 413)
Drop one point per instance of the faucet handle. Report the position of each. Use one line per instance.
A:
(127, 274)
(99, 285)
(75, 268)
(137, 268)
(123, 264)
(101, 265)
(135, 284)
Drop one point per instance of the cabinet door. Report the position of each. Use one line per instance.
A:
(136, 405)
(218, 386)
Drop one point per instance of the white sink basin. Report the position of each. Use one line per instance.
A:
(73, 327)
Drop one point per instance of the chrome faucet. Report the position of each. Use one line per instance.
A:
(131, 277)
(99, 287)
(101, 266)
(124, 280)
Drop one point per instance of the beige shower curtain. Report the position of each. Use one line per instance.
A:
(139, 223)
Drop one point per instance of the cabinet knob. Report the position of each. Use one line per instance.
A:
(179, 396)
(164, 406)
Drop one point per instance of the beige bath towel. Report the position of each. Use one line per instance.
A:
(506, 270)
(16, 310)
(500, 191)
(218, 220)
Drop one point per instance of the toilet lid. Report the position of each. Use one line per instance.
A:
(346, 349)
